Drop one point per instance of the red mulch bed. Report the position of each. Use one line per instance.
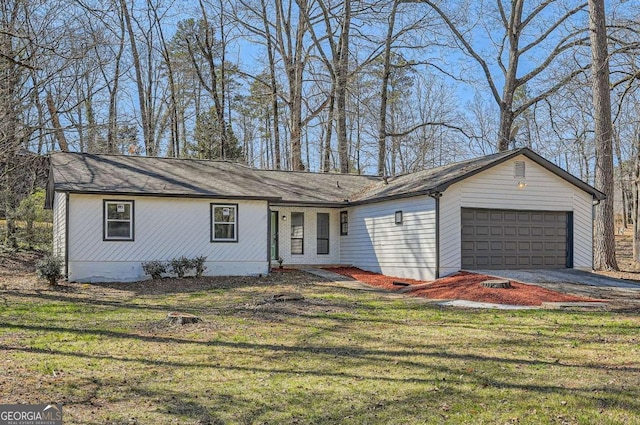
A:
(465, 286)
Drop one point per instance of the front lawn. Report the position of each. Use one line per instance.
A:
(336, 356)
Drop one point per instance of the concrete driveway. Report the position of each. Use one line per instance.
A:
(571, 276)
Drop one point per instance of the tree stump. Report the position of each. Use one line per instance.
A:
(497, 283)
(178, 318)
(280, 298)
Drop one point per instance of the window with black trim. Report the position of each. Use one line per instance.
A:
(344, 223)
(297, 233)
(323, 233)
(224, 222)
(118, 220)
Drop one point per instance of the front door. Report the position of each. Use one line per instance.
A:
(273, 237)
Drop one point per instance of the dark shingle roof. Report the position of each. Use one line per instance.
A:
(88, 173)
(437, 180)
(119, 174)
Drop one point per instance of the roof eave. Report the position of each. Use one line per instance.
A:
(168, 195)
(311, 204)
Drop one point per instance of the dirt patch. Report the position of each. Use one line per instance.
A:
(18, 262)
(17, 268)
(465, 286)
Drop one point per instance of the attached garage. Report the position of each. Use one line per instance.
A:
(515, 239)
(519, 212)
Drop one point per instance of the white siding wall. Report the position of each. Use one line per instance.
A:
(498, 188)
(375, 243)
(165, 228)
(310, 255)
(59, 224)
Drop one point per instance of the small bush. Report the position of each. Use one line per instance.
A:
(50, 268)
(154, 268)
(198, 264)
(180, 266)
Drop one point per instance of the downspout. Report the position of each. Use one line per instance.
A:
(268, 237)
(596, 202)
(66, 235)
(436, 196)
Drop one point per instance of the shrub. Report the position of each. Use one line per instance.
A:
(180, 266)
(35, 220)
(154, 268)
(50, 268)
(198, 264)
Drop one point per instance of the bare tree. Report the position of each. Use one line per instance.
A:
(604, 249)
(550, 43)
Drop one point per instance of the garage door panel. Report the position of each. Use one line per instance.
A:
(482, 231)
(468, 215)
(537, 231)
(524, 261)
(482, 215)
(510, 261)
(524, 231)
(509, 216)
(537, 261)
(510, 246)
(513, 239)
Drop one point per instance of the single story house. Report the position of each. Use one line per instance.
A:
(509, 210)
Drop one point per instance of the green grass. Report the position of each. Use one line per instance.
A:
(339, 356)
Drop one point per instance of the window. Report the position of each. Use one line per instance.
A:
(224, 223)
(297, 233)
(323, 234)
(344, 223)
(118, 221)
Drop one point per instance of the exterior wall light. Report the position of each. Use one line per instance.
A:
(522, 185)
(284, 217)
(398, 217)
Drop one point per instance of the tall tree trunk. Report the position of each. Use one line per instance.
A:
(636, 209)
(604, 232)
(112, 129)
(636, 205)
(142, 98)
(274, 87)
(295, 70)
(326, 150)
(174, 148)
(59, 132)
(384, 92)
(342, 75)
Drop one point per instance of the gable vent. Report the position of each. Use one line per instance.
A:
(518, 169)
